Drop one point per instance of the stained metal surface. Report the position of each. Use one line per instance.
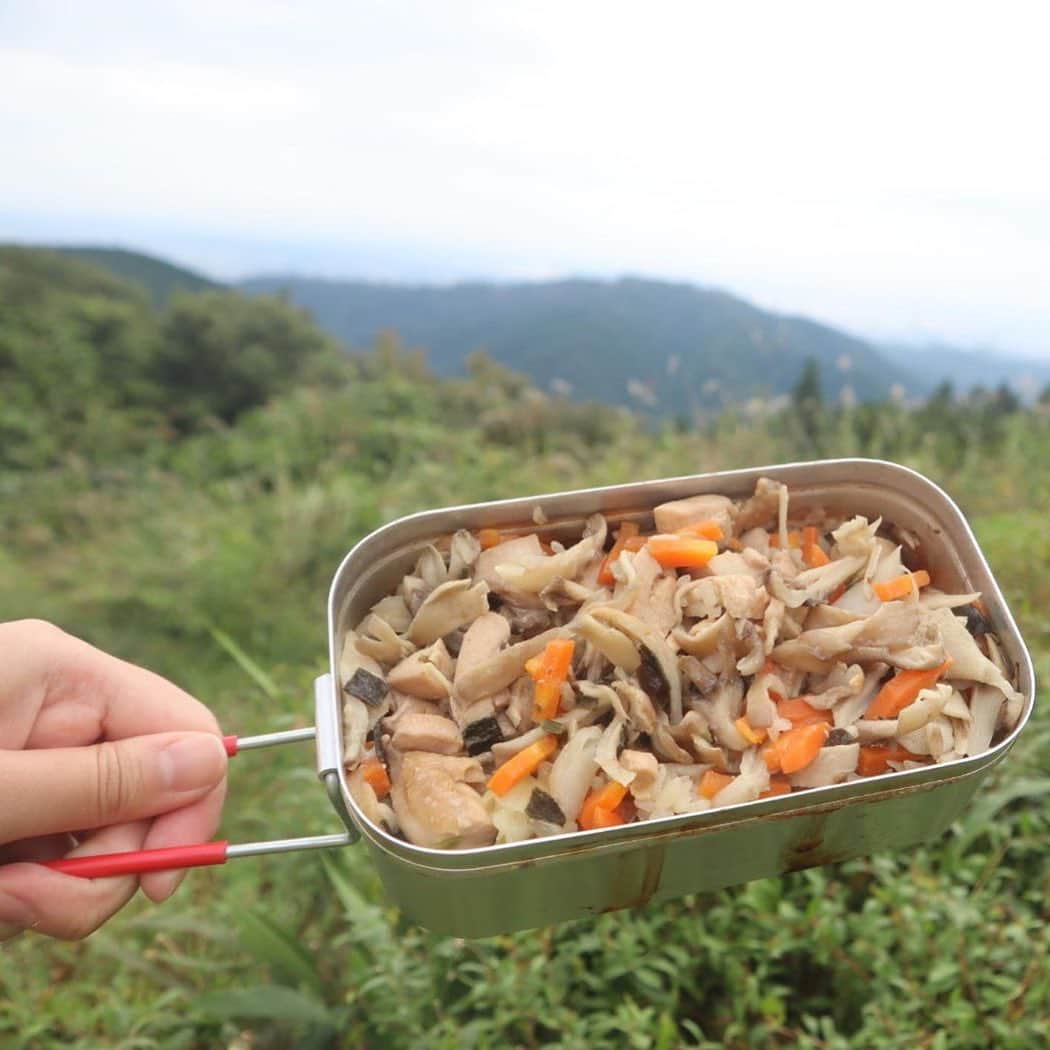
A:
(492, 889)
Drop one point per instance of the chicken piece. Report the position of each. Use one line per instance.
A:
(484, 638)
(646, 771)
(515, 551)
(427, 732)
(425, 673)
(435, 803)
(679, 513)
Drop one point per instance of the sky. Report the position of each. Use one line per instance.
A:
(885, 168)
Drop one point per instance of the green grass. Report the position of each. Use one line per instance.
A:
(214, 571)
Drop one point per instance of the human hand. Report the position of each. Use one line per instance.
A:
(99, 755)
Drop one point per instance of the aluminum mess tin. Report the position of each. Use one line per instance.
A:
(499, 888)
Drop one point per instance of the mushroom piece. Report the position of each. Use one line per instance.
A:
(534, 573)
(751, 781)
(831, 766)
(519, 549)
(924, 708)
(431, 568)
(607, 752)
(760, 707)
(427, 732)
(656, 644)
(447, 608)
(614, 645)
(425, 673)
(573, 770)
(841, 682)
(435, 803)
(703, 638)
(378, 639)
(646, 772)
(499, 670)
(739, 595)
(722, 711)
(893, 625)
(848, 710)
(985, 704)
(356, 714)
(967, 660)
(394, 610)
(755, 656)
(641, 715)
(464, 551)
(677, 514)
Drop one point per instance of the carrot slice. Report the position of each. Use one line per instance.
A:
(799, 746)
(794, 540)
(488, 538)
(748, 732)
(676, 552)
(777, 786)
(810, 536)
(813, 555)
(601, 808)
(902, 689)
(772, 757)
(797, 711)
(712, 782)
(875, 758)
(902, 586)
(519, 766)
(549, 670)
(837, 593)
(375, 774)
(627, 530)
(705, 530)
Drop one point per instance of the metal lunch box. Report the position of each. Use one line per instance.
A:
(499, 888)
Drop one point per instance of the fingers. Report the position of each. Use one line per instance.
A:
(63, 789)
(35, 898)
(194, 823)
(62, 692)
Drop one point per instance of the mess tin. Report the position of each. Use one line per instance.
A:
(493, 889)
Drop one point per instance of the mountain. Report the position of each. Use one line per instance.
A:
(161, 279)
(672, 348)
(966, 368)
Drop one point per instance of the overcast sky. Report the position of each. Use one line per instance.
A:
(885, 168)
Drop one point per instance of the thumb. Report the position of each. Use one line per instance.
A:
(69, 788)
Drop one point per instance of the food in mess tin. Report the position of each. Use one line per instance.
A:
(714, 652)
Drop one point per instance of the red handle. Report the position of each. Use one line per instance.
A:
(230, 743)
(137, 861)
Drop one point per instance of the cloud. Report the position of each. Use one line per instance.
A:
(883, 168)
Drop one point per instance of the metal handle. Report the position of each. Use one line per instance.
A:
(203, 854)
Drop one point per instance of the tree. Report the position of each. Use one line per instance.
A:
(807, 399)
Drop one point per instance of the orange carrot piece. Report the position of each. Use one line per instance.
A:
(712, 782)
(875, 758)
(546, 699)
(799, 746)
(601, 807)
(813, 555)
(488, 538)
(519, 766)
(810, 536)
(902, 689)
(748, 732)
(627, 530)
(777, 786)
(375, 774)
(837, 593)
(902, 586)
(800, 713)
(794, 540)
(704, 530)
(676, 552)
(549, 670)
(772, 757)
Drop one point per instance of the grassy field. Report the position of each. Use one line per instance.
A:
(235, 536)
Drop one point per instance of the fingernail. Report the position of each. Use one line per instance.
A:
(193, 762)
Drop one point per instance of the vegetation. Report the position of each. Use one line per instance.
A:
(194, 527)
(657, 347)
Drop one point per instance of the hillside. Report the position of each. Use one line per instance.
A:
(161, 279)
(674, 348)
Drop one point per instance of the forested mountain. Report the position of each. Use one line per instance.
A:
(160, 278)
(674, 348)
